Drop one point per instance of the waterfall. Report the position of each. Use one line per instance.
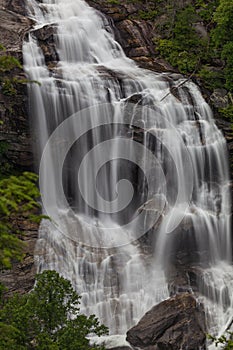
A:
(133, 172)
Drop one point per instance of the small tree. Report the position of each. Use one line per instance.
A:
(49, 317)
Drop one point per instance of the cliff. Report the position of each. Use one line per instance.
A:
(135, 34)
(15, 142)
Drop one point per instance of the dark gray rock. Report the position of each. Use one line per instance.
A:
(219, 98)
(177, 323)
(46, 40)
(135, 35)
(14, 127)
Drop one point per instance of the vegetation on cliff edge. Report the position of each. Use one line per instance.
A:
(47, 318)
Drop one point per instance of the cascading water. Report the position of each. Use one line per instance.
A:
(133, 176)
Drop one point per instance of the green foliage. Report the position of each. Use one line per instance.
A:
(182, 46)
(2, 290)
(49, 317)
(8, 87)
(10, 338)
(227, 113)
(222, 37)
(223, 15)
(184, 49)
(227, 54)
(113, 2)
(7, 63)
(226, 341)
(206, 9)
(3, 147)
(148, 15)
(18, 196)
(211, 79)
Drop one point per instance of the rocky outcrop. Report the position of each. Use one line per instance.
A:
(13, 25)
(15, 141)
(14, 125)
(133, 33)
(177, 323)
(45, 37)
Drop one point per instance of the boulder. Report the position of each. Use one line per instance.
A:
(177, 323)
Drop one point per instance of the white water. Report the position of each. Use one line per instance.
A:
(183, 179)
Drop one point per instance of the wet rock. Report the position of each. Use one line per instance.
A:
(154, 63)
(177, 323)
(135, 35)
(179, 281)
(134, 38)
(135, 99)
(226, 127)
(46, 40)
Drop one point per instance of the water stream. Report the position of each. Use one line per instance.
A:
(133, 172)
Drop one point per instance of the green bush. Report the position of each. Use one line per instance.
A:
(8, 62)
(223, 32)
(18, 195)
(184, 49)
(211, 79)
(227, 55)
(47, 318)
(227, 113)
(148, 15)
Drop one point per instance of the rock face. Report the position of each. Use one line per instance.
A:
(21, 277)
(14, 126)
(13, 24)
(15, 141)
(134, 34)
(136, 37)
(177, 323)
